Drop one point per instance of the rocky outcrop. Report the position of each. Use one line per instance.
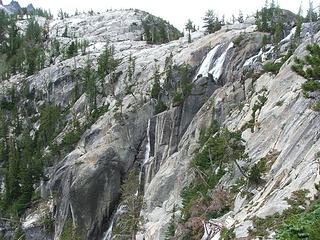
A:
(14, 7)
(85, 185)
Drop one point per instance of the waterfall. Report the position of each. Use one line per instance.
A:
(253, 59)
(108, 234)
(147, 152)
(217, 68)
(146, 157)
(291, 34)
(263, 55)
(121, 208)
(205, 66)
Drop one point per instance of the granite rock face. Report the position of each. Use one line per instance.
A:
(85, 185)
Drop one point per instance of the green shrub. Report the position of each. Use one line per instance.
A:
(311, 86)
(72, 49)
(238, 40)
(256, 172)
(19, 234)
(170, 232)
(310, 63)
(70, 232)
(160, 107)
(301, 226)
(177, 98)
(316, 106)
(227, 234)
(272, 67)
(48, 223)
(208, 166)
(70, 139)
(155, 91)
(296, 222)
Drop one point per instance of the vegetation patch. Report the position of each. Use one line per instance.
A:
(309, 69)
(70, 231)
(299, 221)
(202, 199)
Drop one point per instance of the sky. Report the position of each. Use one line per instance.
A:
(177, 12)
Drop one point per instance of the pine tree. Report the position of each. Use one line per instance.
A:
(12, 181)
(61, 14)
(131, 68)
(65, 33)
(299, 22)
(168, 68)
(189, 28)
(25, 173)
(3, 27)
(90, 80)
(3, 138)
(106, 62)
(49, 122)
(156, 87)
(209, 21)
(128, 226)
(278, 35)
(240, 17)
(72, 49)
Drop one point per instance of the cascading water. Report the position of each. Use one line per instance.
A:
(146, 156)
(291, 34)
(205, 66)
(264, 55)
(121, 208)
(119, 211)
(253, 59)
(147, 152)
(216, 68)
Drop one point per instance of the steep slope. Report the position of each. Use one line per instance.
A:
(285, 132)
(148, 117)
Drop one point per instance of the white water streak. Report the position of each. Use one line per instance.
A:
(217, 68)
(108, 234)
(291, 34)
(253, 59)
(148, 147)
(205, 66)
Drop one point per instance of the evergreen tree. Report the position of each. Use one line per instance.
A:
(209, 21)
(131, 69)
(72, 49)
(240, 17)
(25, 173)
(278, 35)
(156, 88)
(3, 138)
(65, 32)
(106, 62)
(299, 22)
(128, 226)
(90, 80)
(49, 122)
(312, 15)
(168, 68)
(13, 44)
(3, 27)
(12, 181)
(189, 28)
(130, 83)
